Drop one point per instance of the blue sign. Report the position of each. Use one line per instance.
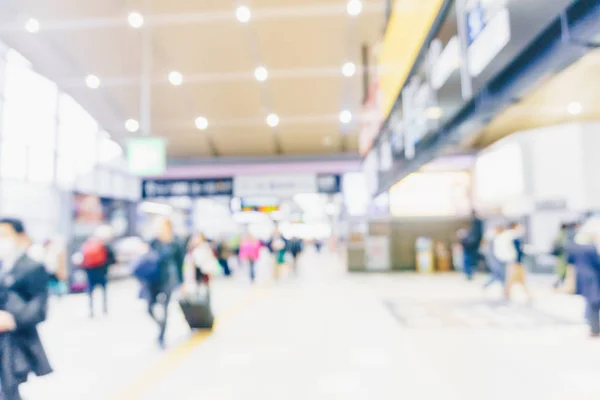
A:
(329, 183)
(187, 187)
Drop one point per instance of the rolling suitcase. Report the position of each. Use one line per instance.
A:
(197, 311)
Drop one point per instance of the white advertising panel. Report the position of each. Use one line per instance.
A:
(377, 253)
(274, 185)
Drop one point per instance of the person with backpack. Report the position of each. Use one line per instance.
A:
(95, 258)
(170, 255)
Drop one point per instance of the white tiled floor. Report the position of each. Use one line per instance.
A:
(328, 335)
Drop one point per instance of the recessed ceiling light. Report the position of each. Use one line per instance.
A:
(261, 74)
(434, 112)
(32, 25)
(92, 81)
(175, 78)
(345, 117)
(132, 125)
(354, 7)
(201, 123)
(243, 14)
(272, 120)
(575, 108)
(349, 69)
(135, 19)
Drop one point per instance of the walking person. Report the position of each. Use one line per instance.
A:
(169, 275)
(23, 304)
(471, 241)
(497, 268)
(250, 252)
(510, 250)
(95, 257)
(295, 247)
(583, 254)
(559, 251)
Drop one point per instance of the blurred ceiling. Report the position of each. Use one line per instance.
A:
(303, 44)
(571, 95)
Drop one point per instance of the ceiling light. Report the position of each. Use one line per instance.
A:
(201, 123)
(354, 7)
(175, 78)
(261, 74)
(135, 19)
(434, 112)
(32, 25)
(272, 120)
(132, 125)
(345, 117)
(575, 108)
(243, 14)
(349, 69)
(92, 81)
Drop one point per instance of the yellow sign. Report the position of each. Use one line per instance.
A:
(409, 24)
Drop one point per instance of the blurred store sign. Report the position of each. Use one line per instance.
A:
(488, 32)
(147, 156)
(187, 187)
(285, 185)
(372, 117)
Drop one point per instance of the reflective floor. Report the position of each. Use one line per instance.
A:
(329, 335)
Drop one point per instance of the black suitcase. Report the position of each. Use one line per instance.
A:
(197, 312)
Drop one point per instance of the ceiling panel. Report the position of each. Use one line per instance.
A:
(244, 141)
(549, 104)
(290, 95)
(70, 9)
(189, 143)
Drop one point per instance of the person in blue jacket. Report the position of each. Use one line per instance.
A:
(583, 254)
(471, 241)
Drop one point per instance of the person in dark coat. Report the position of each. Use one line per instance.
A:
(584, 256)
(471, 241)
(23, 305)
(171, 256)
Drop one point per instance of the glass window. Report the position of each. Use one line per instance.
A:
(65, 172)
(40, 165)
(77, 131)
(13, 161)
(29, 107)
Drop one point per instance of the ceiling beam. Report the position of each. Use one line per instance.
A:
(206, 78)
(204, 17)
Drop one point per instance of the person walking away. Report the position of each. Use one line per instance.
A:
(222, 254)
(471, 241)
(23, 305)
(583, 254)
(55, 260)
(560, 252)
(497, 268)
(278, 247)
(170, 270)
(250, 252)
(95, 257)
(295, 247)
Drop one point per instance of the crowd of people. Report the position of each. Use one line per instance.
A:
(502, 248)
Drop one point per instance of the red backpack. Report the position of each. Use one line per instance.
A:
(94, 254)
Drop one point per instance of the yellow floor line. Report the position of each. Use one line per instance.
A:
(162, 369)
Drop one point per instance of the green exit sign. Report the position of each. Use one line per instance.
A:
(147, 156)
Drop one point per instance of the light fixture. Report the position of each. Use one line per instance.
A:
(272, 120)
(32, 25)
(261, 74)
(243, 14)
(349, 69)
(345, 117)
(434, 112)
(132, 125)
(354, 7)
(92, 81)
(575, 108)
(201, 123)
(135, 19)
(175, 78)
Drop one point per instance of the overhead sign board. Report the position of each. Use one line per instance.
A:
(285, 185)
(187, 187)
(146, 156)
